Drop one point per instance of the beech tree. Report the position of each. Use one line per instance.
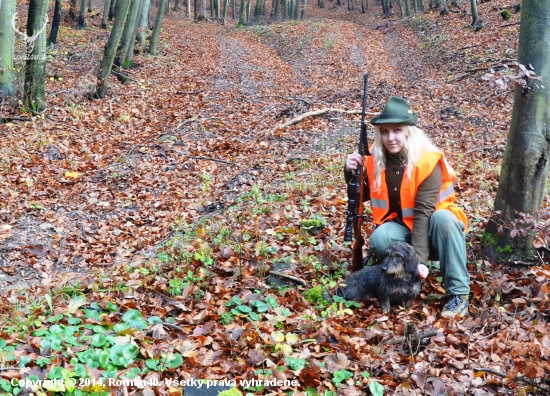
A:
(111, 48)
(243, 19)
(154, 40)
(81, 15)
(106, 7)
(129, 34)
(143, 23)
(35, 68)
(52, 38)
(476, 22)
(525, 165)
(7, 37)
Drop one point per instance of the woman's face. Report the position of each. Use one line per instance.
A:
(393, 137)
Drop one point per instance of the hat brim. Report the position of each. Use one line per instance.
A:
(394, 119)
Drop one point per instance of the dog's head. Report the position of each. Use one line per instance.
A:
(401, 260)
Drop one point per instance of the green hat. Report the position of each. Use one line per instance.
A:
(397, 111)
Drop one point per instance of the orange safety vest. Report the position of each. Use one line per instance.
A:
(380, 199)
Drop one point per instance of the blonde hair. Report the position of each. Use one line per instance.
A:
(415, 145)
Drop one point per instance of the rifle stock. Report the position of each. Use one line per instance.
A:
(354, 214)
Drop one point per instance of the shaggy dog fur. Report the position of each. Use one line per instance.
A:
(394, 282)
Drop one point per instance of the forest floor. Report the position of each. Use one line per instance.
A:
(175, 197)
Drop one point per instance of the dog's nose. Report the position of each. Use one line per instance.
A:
(384, 268)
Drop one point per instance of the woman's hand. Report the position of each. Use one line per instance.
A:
(354, 160)
(423, 271)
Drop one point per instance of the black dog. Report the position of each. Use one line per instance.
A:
(394, 282)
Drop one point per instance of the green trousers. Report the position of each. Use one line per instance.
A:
(447, 243)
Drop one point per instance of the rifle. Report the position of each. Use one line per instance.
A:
(354, 214)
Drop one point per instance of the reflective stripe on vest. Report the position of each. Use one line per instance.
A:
(424, 167)
(443, 195)
(379, 203)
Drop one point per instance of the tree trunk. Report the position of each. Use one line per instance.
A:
(233, 11)
(401, 13)
(188, 10)
(386, 8)
(143, 23)
(277, 9)
(167, 8)
(176, 5)
(296, 11)
(112, 10)
(89, 6)
(407, 8)
(81, 15)
(130, 53)
(224, 11)
(7, 39)
(243, 20)
(72, 9)
(217, 13)
(258, 10)
(303, 10)
(202, 10)
(154, 40)
(526, 160)
(444, 8)
(106, 7)
(415, 6)
(111, 47)
(35, 68)
(52, 39)
(129, 34)
(475, 15)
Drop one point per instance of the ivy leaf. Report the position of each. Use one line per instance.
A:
(98, 340)
(244, 308)
(341, 375)
(152, 364)
(5, 385)
(376, 389)
(134, 319)
(295, 364)
(271, 301)
(174, 360)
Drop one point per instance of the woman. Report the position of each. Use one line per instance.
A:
(410, 186)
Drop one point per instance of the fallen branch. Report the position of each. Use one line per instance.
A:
(414, 338)
(488, 148)
(510, 24)
(518, 378)
(467, 72)
(190, 93)
(289, 277)
(208, 159)
(288, 161)
(319, 112)
(9, 119)
(287, 98)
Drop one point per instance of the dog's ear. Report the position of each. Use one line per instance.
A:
(411, 263)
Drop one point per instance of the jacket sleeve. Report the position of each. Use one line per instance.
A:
(366, 190)
(424, 206)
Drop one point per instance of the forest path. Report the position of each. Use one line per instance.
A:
(194, 127)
